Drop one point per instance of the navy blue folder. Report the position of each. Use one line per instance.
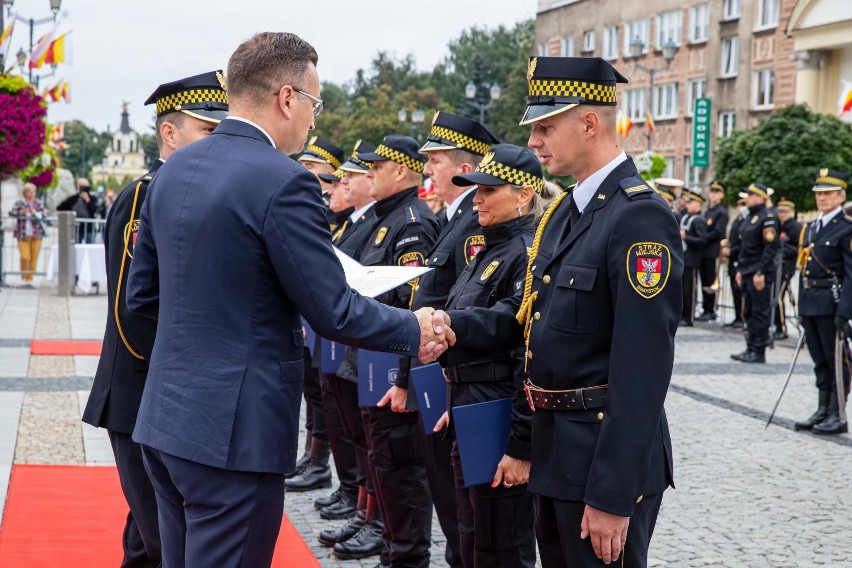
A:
(332, 356)
(482, 432)
(310, 337)
(377, 372)
(430, 390)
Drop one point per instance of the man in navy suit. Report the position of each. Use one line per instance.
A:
(233, 237)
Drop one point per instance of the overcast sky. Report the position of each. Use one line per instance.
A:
(123, 49)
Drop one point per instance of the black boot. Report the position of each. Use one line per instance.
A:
(302, 461)
(330, 499)
(368, 542)
(832, 424)
(316, 474)
(753, 357)
(818, 416)
(343, 508)
(344, 533)
(740, 356)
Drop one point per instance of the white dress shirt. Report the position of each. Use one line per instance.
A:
(585, 190)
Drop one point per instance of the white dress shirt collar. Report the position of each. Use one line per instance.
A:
(357, 214)
(452, 207)
(586, 189)
(247, 121)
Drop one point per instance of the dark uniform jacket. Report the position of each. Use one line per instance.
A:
(496, 273)
(608, 306)
(829, 257)
(695, 240)
(128, 338)
(758, 242)
(233, 249)
(789, 240)
(734, 243)
(717, 223)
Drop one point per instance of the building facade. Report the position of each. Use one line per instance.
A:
(124, 156)
(734, 52)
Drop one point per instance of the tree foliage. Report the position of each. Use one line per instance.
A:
(86, 147)
(785, 151)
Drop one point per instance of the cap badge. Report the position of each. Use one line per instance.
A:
(531, 68)
(823, 172)
(312, 141)
(221, 79)
(434, 118)
(489, 157)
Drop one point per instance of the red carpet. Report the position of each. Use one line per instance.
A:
(47, 347)
(72, 516)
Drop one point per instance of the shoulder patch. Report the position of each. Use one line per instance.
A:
(408, 241)
(411, 259)
(489, 270)
(472, 245)
(412, 215)
(634, 185)
(648, 268)
(769, 234)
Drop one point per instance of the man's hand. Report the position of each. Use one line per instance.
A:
(608, 533)
(511, 471)
(759, 281)
(739, 280)
(682, 234)
(435, 334)
(84, 195)
(442, 422)
(396, 397)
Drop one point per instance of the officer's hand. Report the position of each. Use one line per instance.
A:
(435, 334)
(608, 533)
(840, 324)
(739, 280)
(511, 471)
(396, 397)
(442, 422)
(759, 281)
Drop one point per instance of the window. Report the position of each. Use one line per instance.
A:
(764, 89)
(689, 173)
(542, 50)
(670, 167)
(589, 40)
(566, 46)
(730, 56)
(668, 28)
(610, 42)
(665, 101)
(731, 10)
(695, 89)
(699, 21)
(727, 123)
(767, 13)
(634, 29)
(635, 104)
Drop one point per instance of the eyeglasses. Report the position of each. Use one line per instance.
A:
(317, 103)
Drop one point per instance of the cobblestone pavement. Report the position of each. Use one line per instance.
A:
(746, 495)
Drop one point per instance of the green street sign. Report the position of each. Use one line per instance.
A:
(701, 134)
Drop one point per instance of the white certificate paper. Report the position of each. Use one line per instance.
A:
(374, 280)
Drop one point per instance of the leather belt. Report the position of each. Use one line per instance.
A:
(480, 373)
(576, 399)
(808, 283)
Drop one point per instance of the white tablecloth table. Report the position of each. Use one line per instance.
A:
(90, 266)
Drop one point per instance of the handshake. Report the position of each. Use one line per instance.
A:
(435, 334)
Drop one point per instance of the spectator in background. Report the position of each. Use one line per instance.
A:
(106, 204)
(29, 230)
(84, 206)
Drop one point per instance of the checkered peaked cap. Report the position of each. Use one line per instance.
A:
(453, 132)
(503, 164)
(333, 178)
(323, 151)
(557, 84)
(403, 150)
(202, 96)
(356, 164)
(831, 180)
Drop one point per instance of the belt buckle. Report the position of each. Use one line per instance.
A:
(528, 392)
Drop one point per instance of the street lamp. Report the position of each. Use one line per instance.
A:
(417, 117)
(637, 46)
(494, 93)
(55, 5)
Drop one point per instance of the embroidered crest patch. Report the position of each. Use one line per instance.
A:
(648, 268)
(472, 245)
(380, 236)
(769, 234)
(131, 231)
(489, 270)
(411, 259)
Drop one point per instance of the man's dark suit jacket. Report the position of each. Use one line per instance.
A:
(233, 247)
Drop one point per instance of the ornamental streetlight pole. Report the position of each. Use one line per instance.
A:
(417, 117)
(637, 46)
(485, 101)
(32, 23)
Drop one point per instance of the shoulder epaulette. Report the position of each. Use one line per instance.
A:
(148, 177)
(634, 186)
(847, 217)
(412, 215)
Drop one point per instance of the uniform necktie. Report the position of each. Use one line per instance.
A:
(819, 225)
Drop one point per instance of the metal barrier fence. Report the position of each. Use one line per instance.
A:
(63, 231)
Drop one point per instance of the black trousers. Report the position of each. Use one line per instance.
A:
(708, 271)
(736, 293)
(757, 336)
(781, 307)
(141, 537)
(314, 414)
(346, 397)
(496, 525)
(215, 517)
(557, 528)
(689, 278)
(396, 449)
(820, 334)
(342, 446)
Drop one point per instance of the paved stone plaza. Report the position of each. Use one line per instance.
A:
(746, 495)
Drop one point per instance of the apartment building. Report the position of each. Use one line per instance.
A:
(735, 52)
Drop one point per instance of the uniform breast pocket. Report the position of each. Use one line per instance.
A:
(440, 279)
(573, 306)
(476, 294)
(374, 256)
